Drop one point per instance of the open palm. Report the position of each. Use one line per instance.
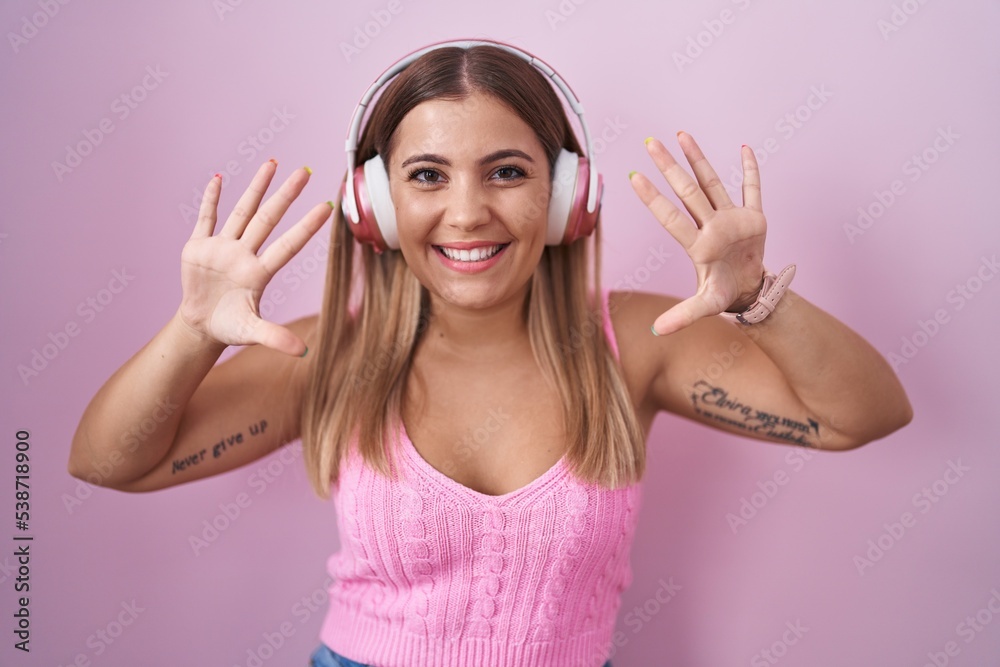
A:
(223, 277)
(725, 242)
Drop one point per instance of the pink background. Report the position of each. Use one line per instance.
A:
(885, 99)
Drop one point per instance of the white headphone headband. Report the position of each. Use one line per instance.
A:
(351, 145)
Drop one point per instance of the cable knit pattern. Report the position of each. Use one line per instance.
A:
(432, 573)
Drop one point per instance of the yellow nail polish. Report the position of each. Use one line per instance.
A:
(630, 174)
(648, 139)
(331, 204)
(308, 170)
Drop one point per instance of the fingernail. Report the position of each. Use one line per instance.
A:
(219, 176)
(274, 161)
(308, 170)
(653, 330)
(630, 174)
(648, 139)
(744, 145)
(331, 204)
(304, 353)
(679, 133)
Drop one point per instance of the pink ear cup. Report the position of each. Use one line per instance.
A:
(580, 223)
(366, 230)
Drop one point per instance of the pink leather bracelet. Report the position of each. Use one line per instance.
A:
(772, 291)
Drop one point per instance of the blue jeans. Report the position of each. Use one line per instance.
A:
(324, 657)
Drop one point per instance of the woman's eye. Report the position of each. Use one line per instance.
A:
(509, 173)
(424, 176)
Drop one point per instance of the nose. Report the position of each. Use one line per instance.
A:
(467, 206)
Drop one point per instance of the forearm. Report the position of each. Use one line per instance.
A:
(131, 422)
(836, 374)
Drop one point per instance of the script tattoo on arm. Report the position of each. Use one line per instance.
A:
(219, 448)
(715, 403)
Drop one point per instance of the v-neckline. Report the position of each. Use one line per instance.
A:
(550, 475)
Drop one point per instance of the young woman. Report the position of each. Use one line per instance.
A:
(474, 399)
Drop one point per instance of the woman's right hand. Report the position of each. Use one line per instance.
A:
(222, 276)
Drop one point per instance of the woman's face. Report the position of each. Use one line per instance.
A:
(470, 184)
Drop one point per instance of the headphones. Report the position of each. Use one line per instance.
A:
(577, 188)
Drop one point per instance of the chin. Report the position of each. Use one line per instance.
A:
(475, 297)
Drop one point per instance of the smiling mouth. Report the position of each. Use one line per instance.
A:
(474, 255)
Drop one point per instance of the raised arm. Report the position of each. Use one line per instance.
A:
(800, 376)
(169, 414)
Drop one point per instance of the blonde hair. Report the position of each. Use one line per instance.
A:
(356, 385)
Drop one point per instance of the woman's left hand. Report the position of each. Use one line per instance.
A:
(725, 243)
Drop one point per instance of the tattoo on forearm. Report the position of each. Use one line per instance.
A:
(227, 443)
(715, 403)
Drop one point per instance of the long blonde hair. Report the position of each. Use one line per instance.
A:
(358, 377)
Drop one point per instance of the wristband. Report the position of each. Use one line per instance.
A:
(772, 291)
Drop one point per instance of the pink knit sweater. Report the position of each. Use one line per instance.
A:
(433, 573)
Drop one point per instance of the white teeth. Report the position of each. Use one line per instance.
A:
(474, 255)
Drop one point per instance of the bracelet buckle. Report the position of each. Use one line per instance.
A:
(773, 289)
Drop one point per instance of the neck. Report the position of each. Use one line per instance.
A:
(477, 335)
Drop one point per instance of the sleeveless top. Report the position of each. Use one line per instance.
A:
(431, 572)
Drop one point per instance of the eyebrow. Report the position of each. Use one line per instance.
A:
(492, 157)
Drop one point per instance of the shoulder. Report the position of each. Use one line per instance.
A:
(306, 327)
(641, 354)
(629, 308)
(652, 364)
